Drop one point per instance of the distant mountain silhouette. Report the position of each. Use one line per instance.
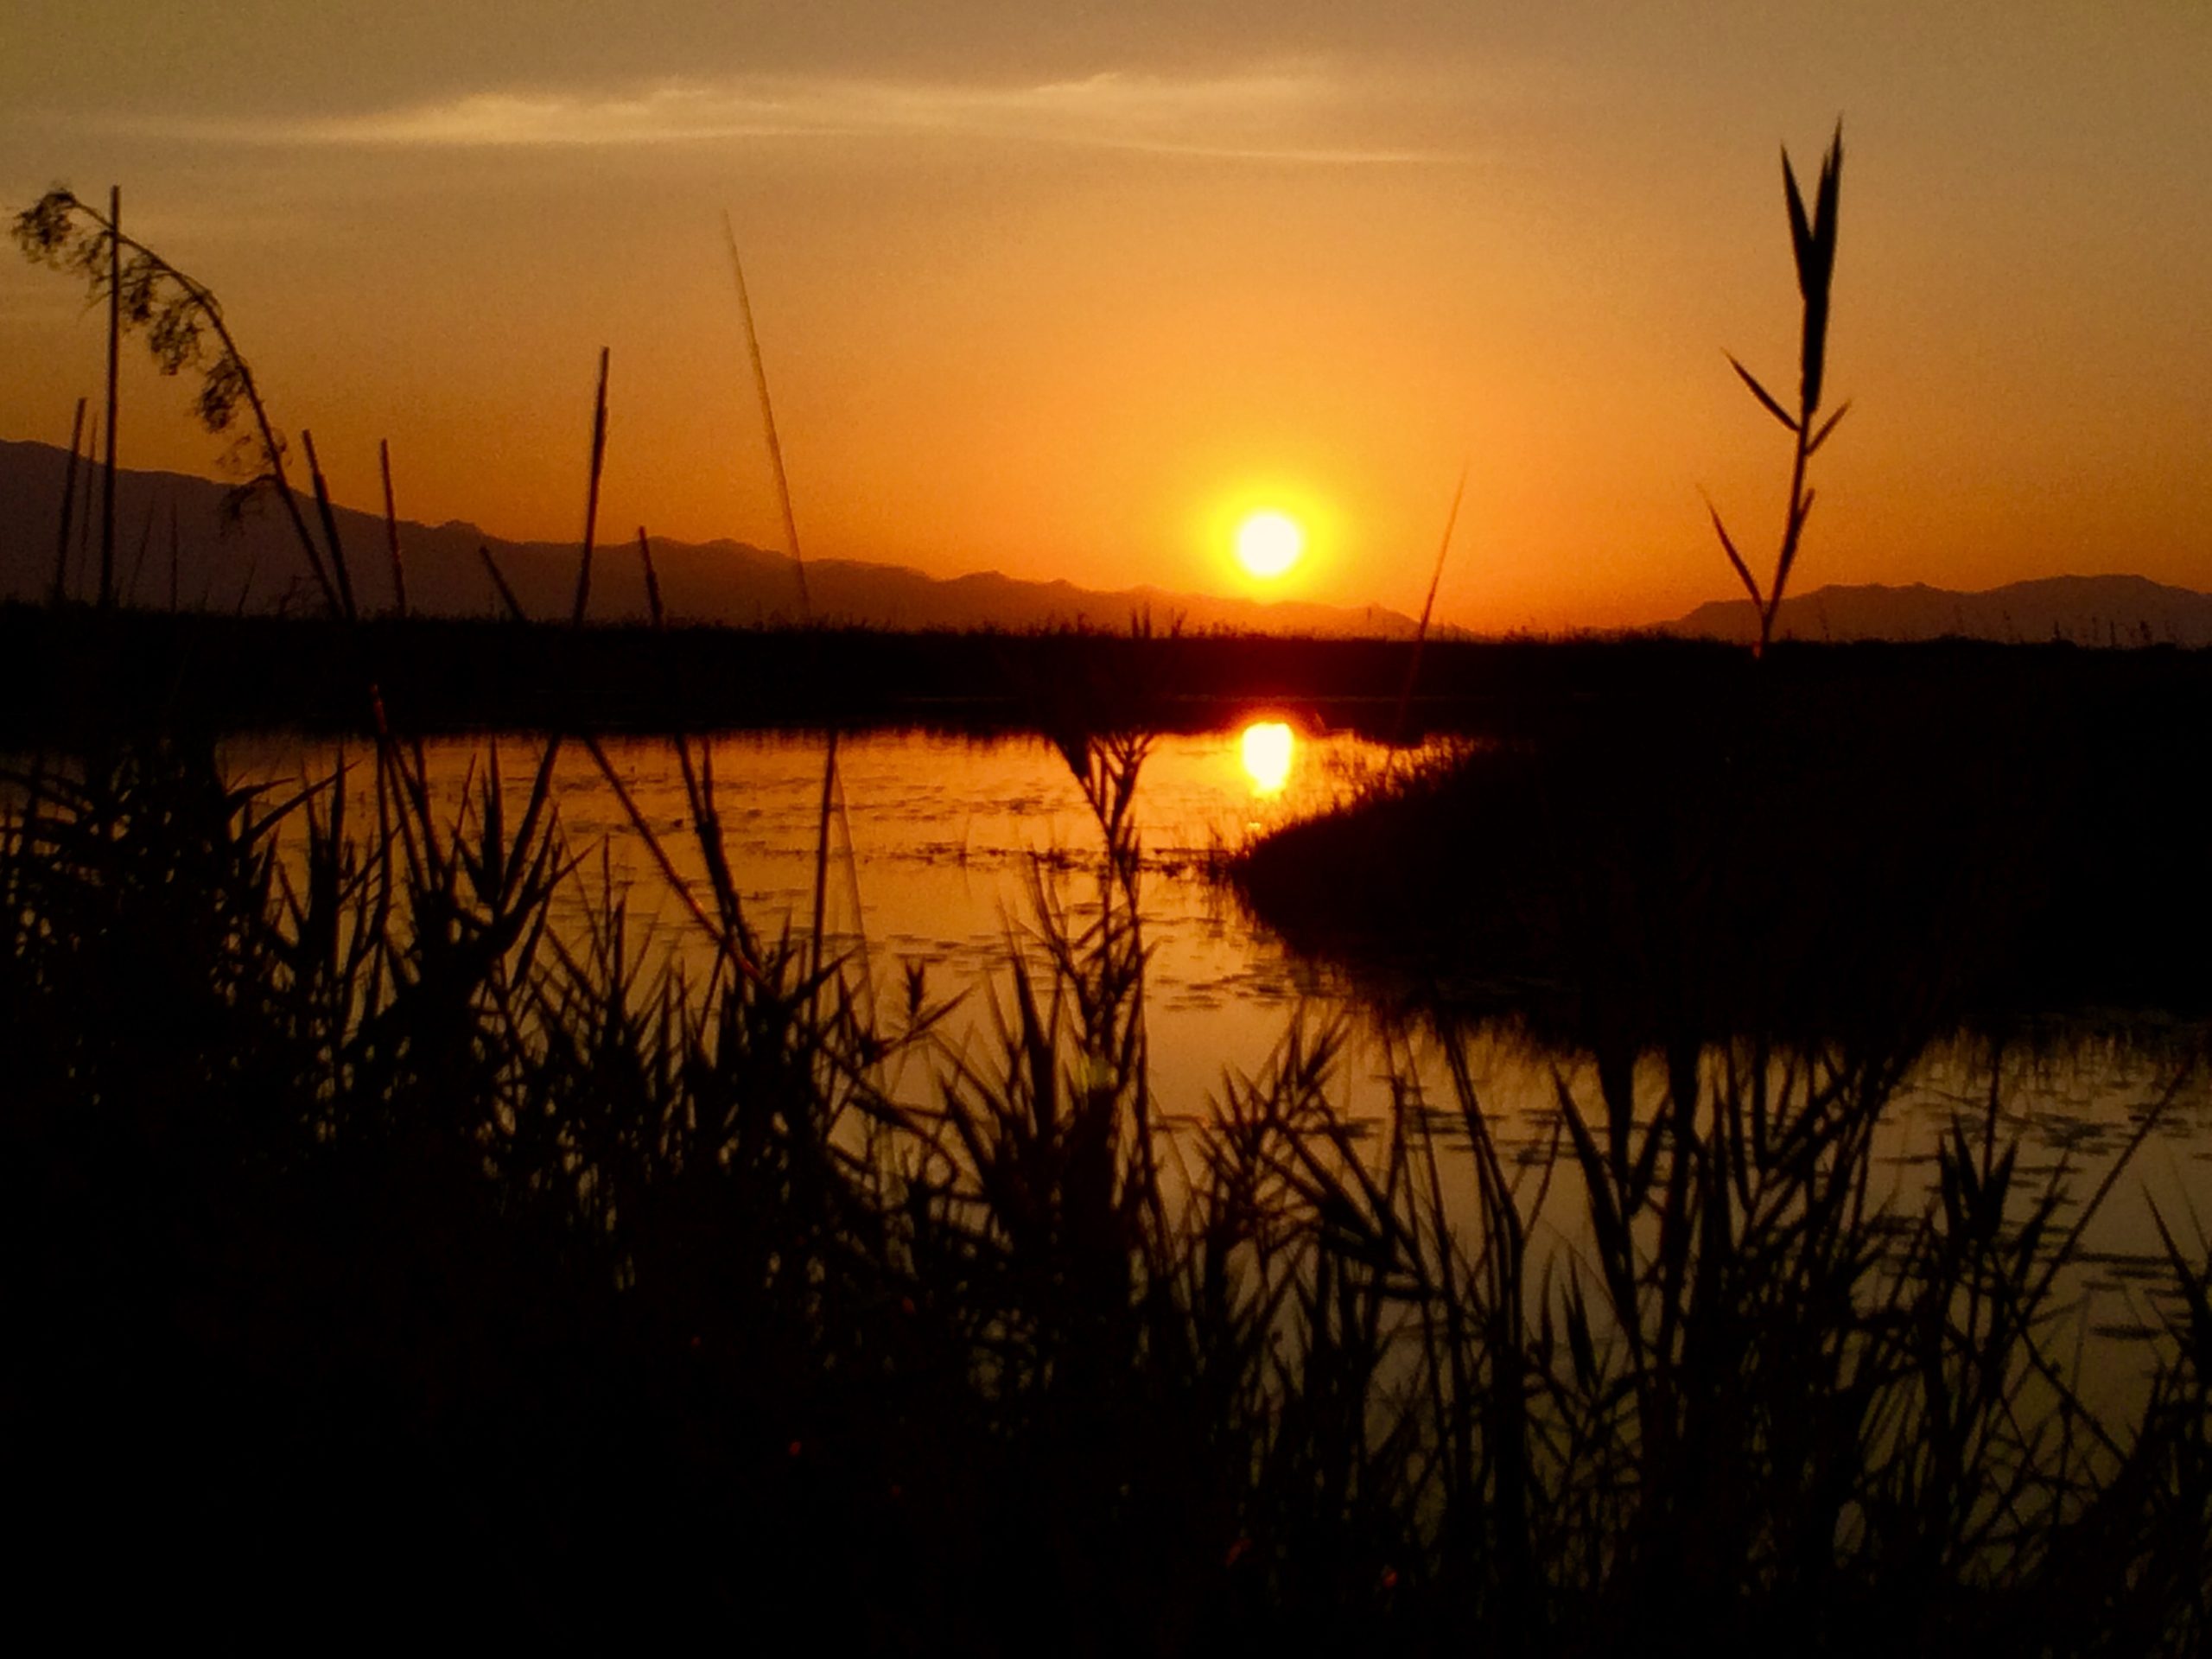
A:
(254, 564)
(2086, 610)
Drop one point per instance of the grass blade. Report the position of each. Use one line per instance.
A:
(391, 531)
(329, 527)
(591, 494)
(1827, 426)
(1751, 582)
(768, 419)
(506, 593)
(1773, 407)
(68, 505)
(1428, 605)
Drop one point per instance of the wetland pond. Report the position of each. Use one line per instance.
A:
(947, 853)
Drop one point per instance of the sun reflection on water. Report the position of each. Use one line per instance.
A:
(1269, 749)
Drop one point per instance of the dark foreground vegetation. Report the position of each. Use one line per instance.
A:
(384, 1257)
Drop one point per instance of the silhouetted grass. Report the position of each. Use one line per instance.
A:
(1812, 241)
(382, 1251)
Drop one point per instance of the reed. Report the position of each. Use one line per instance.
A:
(1428, 606)
(60, 590)
(591, 497)
(1812, 240)
(114, 362)
(85, 511)
(334, 547)
(180, 316)
(392, 532)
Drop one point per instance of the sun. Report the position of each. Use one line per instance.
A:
(1270, 543)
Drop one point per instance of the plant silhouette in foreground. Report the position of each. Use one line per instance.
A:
(386, 1215)
(181, 317)
(1813, 242)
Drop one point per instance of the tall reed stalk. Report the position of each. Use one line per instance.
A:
(114, 361)
(1427, 607)
(392, 532)
(60, 591)
(1812, 240)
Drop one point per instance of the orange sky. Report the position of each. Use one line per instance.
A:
(1054, 295)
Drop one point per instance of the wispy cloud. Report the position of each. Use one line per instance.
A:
(1298, 115)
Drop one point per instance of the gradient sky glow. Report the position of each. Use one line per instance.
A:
(1065, 291)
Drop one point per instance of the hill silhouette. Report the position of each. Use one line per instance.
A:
(251, 563)
(2084, 610)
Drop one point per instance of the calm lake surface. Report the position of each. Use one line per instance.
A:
(943, 848)
(946, 848)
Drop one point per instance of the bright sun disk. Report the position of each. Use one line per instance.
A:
(1269, 543)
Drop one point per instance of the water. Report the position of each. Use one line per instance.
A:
(942, 850)
(946, 850)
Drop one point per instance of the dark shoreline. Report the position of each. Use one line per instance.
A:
(74, 669)
(1862, 841)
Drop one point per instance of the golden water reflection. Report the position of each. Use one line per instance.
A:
(955, 845)
(1268, 748)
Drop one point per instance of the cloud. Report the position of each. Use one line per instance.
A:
(1283, 115)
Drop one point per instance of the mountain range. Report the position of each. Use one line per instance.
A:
(2085, 610)
(253, 562)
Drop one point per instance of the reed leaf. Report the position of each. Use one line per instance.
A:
(1821, 436)
(1736, 559)
(1760, 392)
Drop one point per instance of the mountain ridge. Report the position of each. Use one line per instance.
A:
(254, 564)
(257, 566)
(2102, 610)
